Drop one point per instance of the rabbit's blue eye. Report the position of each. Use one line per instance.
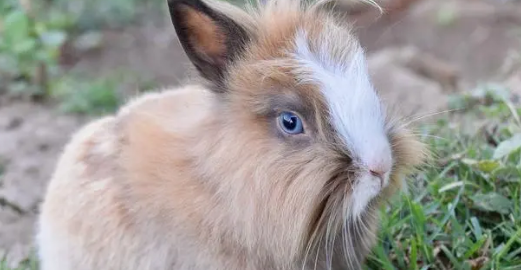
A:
(290, 123)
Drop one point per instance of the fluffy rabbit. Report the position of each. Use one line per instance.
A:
(278, 159)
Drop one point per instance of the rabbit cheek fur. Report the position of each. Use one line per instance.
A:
(203, 177)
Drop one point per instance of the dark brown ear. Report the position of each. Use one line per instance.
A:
(211, 40)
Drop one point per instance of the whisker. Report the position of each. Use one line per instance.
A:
(352, 258)
(428, 135)
(418, 118)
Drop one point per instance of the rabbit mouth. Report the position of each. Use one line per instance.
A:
(354, 193)
(366, 189)
(334, 221)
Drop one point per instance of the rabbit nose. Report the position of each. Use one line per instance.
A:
(376, 159)
(380, 170)
(379, 174)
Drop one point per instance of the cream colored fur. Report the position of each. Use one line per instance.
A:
(191, 178)
(108, 205)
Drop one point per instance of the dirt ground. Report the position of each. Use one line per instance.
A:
(417, 57)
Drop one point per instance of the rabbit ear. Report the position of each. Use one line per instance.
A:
(211, 40)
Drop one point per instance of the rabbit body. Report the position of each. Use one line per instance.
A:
(105, 207)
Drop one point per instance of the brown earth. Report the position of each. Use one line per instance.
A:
(417, 56)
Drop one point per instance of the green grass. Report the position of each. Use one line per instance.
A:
(464, 209)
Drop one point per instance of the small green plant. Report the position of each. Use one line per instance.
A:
(29, 47)
(96, 14)
(2, 169)
(446, 16)
(30, 263)
(94, 97)
(31, 43)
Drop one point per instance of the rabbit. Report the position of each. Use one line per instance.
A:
(278, 156)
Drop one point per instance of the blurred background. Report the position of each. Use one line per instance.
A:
(63, 62)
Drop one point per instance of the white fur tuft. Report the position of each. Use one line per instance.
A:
(364, 190)
(355, 109)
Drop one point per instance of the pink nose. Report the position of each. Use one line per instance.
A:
(377, 159)
(380, 171)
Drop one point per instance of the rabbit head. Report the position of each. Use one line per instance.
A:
(299, 151)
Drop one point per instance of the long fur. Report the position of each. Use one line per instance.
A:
(201, 178)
